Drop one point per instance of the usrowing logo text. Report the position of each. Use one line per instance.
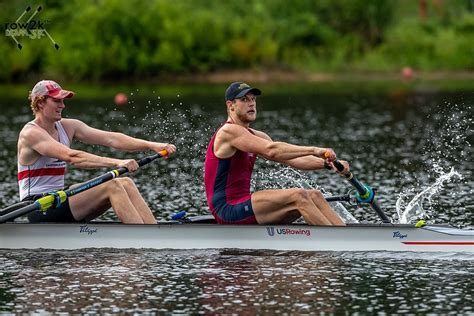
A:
(399, 235)
(288, 231)
(84, 229)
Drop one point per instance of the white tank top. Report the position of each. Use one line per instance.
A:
(46, 174)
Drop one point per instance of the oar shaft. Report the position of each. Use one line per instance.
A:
(47, 201)
(110, 175)
(363, 191)
(356, 183)
(338, 198)
(18, 212)
(15, 206)
(350, 177)
(375, 206)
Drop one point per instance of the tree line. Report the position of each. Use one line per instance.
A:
(116, 40)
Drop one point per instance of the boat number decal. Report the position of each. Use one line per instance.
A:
(399, 235)
(84, 229)
(287, 231)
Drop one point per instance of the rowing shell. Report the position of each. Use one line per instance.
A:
(206, 235)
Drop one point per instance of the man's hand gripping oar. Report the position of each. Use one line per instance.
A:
(364, 194)
(58, 197)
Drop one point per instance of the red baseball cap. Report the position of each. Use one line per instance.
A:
(51, 89)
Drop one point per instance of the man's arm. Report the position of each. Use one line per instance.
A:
(306, 163)
(232, 137)
(119, 141)
(261, 141)
(37, 140)
(302, 163)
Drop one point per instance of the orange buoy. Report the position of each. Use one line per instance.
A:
(407, 73)
(121, 99)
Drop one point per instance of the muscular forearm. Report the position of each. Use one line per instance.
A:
(283, 152)
(123, 142)
(86, 160)
(306, 163)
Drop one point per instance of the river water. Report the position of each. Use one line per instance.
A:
(400, 142)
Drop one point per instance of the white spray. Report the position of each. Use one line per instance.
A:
(415, 209)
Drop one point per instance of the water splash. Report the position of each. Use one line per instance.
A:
(445, 145)
(174, 184)
(415, 208)
(288, 177)
(346, 216)
(274, 176)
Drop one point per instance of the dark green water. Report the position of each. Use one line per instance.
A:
(396, 141)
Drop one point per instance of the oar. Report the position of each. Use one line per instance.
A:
(60, 196)
(365, 194)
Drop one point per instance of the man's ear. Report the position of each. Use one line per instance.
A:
(41, 103)
(230, 105)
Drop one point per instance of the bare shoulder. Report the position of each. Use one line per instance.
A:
(226, 138)
(31, 138)
(31, 132)
(231, 131)
(73, 126)
(261, 134)
(28, 136)
(72, 123)
(27, 129)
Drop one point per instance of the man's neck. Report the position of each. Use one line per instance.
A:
(49, 126)
(237, 122)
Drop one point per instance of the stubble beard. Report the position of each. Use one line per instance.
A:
(246, 118)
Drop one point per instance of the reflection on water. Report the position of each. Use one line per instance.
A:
(243, 282)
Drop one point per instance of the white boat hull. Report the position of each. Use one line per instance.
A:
(383, 237)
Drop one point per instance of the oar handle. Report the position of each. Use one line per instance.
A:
(149, 159)
(339, 166)
(144, 161)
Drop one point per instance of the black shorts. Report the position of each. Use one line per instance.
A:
(239, 213)
(62, 214)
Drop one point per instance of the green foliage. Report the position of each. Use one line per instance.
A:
(115, 39)
(426, 46)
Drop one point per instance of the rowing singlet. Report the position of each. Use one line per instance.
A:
(46, 174)
(227, 181)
